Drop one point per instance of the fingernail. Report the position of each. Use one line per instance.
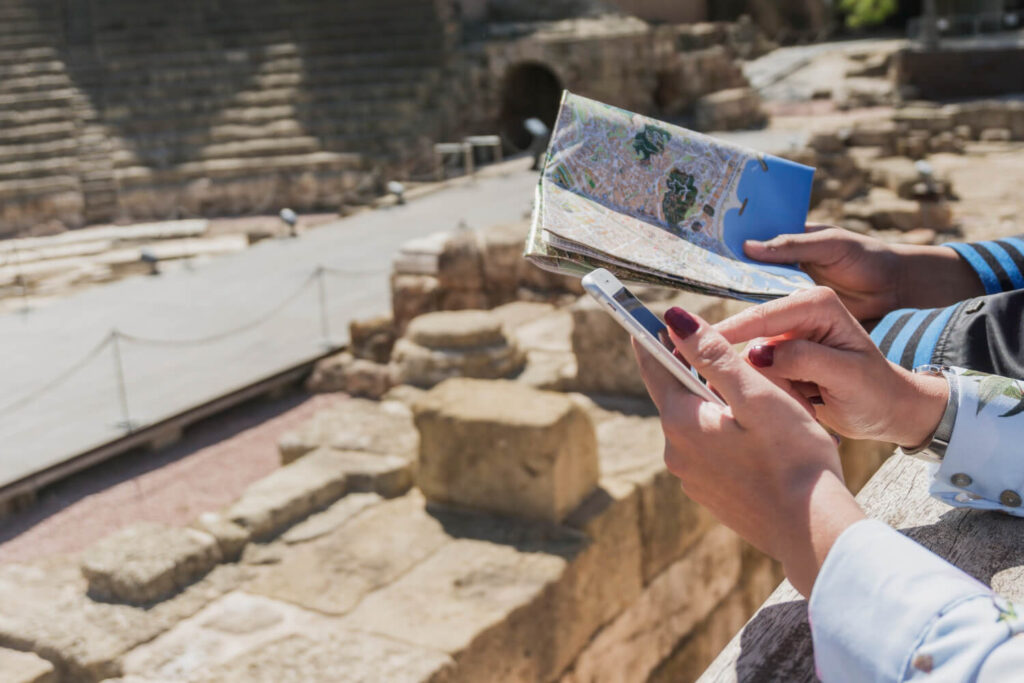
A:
(681, 322)
(762, 355)
(816, 401)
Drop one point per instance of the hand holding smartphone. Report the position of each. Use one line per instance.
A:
(644, 326)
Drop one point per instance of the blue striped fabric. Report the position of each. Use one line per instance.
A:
(998, 263)
(908, 336)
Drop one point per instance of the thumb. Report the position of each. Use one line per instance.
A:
(799, 360)
(817, 247)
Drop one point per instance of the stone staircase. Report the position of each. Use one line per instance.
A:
(215, 108)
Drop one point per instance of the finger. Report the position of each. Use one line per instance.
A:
(712, 356)
(814, 367)
(819, 246)
(812, 313)
(666, 391)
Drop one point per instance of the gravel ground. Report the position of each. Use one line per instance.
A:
(210, 467)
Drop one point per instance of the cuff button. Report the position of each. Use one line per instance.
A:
(1010, 499)
(961, 480)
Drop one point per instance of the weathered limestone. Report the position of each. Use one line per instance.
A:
(290, 493)
(544, 334)
(322, 523)
(733, 109)
(631, 646)
(334, 571)
(884, 210)
(505, 448)
(231, 537)
(480, 602)
(604, 353)
(147, 562)
(25, 667)
(356, 376)
(373, 338)
(448, 344)
(46, 611)
(251, 638)
(355, 425)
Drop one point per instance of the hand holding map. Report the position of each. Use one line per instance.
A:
(658, 204)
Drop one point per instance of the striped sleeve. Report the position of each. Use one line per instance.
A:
(998, 263)
(908, 337)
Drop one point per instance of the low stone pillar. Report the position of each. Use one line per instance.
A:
(438, 346)
(504, 447)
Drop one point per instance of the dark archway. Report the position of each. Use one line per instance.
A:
(529, 90)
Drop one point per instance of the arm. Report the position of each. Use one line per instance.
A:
(885, 609)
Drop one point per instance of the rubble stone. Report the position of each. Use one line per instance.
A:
(322, 523)
(383, 427)
(996, 135)
(355, 376)
(373, 338)
(413, 295)
(25, 667)
(291, 493)
(505, 448)
(231, 538)
(147, 562)
(733, 109)
(457, 330)
(885, 211)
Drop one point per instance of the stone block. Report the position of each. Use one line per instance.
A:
(411, 296)
(879, 134)
(996, 135)
(25, 667)
(287, 495)
(244, 637)
(505, 448)
(231, 537)
(460, 265)
(671, 607)
(384, 427)
(385, 475)
(322, 523)
(372, 339)
(147, 562)
(885, 211)
(457, 330)
(372, 547)
(501, 254)
(488, 605)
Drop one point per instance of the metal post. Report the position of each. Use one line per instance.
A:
(122, 388)
(325, 329)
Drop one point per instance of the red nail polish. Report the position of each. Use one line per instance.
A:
(762, 356)
(681, 322)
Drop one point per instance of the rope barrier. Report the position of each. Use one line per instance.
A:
(114, 336)
(59, 379)
(209, 339)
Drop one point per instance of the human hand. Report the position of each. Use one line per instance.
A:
(811, 346)
(872, 277)
(761, 465)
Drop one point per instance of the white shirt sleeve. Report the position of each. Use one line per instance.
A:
(984, 464)
(884, 608)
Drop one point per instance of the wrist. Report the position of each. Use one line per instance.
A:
(823, 510)
(933, 277)
(923, 403)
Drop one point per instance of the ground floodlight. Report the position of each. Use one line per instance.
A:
(398, 189)
(290, 218)
(150, 259)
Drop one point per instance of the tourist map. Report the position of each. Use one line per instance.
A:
(658, 204)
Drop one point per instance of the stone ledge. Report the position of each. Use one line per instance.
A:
(147, 562)
(25, 667)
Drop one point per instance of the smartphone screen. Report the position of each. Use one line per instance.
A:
(642, 315)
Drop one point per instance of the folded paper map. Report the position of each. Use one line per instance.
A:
(658, 204)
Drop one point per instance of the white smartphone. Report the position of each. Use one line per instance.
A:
(645, 327)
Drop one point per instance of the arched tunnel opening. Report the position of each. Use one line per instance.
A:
(529, 90)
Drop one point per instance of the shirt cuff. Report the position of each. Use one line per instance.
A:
(998, 263)
(983, 467)
(874, 600)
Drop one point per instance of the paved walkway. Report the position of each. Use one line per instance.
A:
(84, 411)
